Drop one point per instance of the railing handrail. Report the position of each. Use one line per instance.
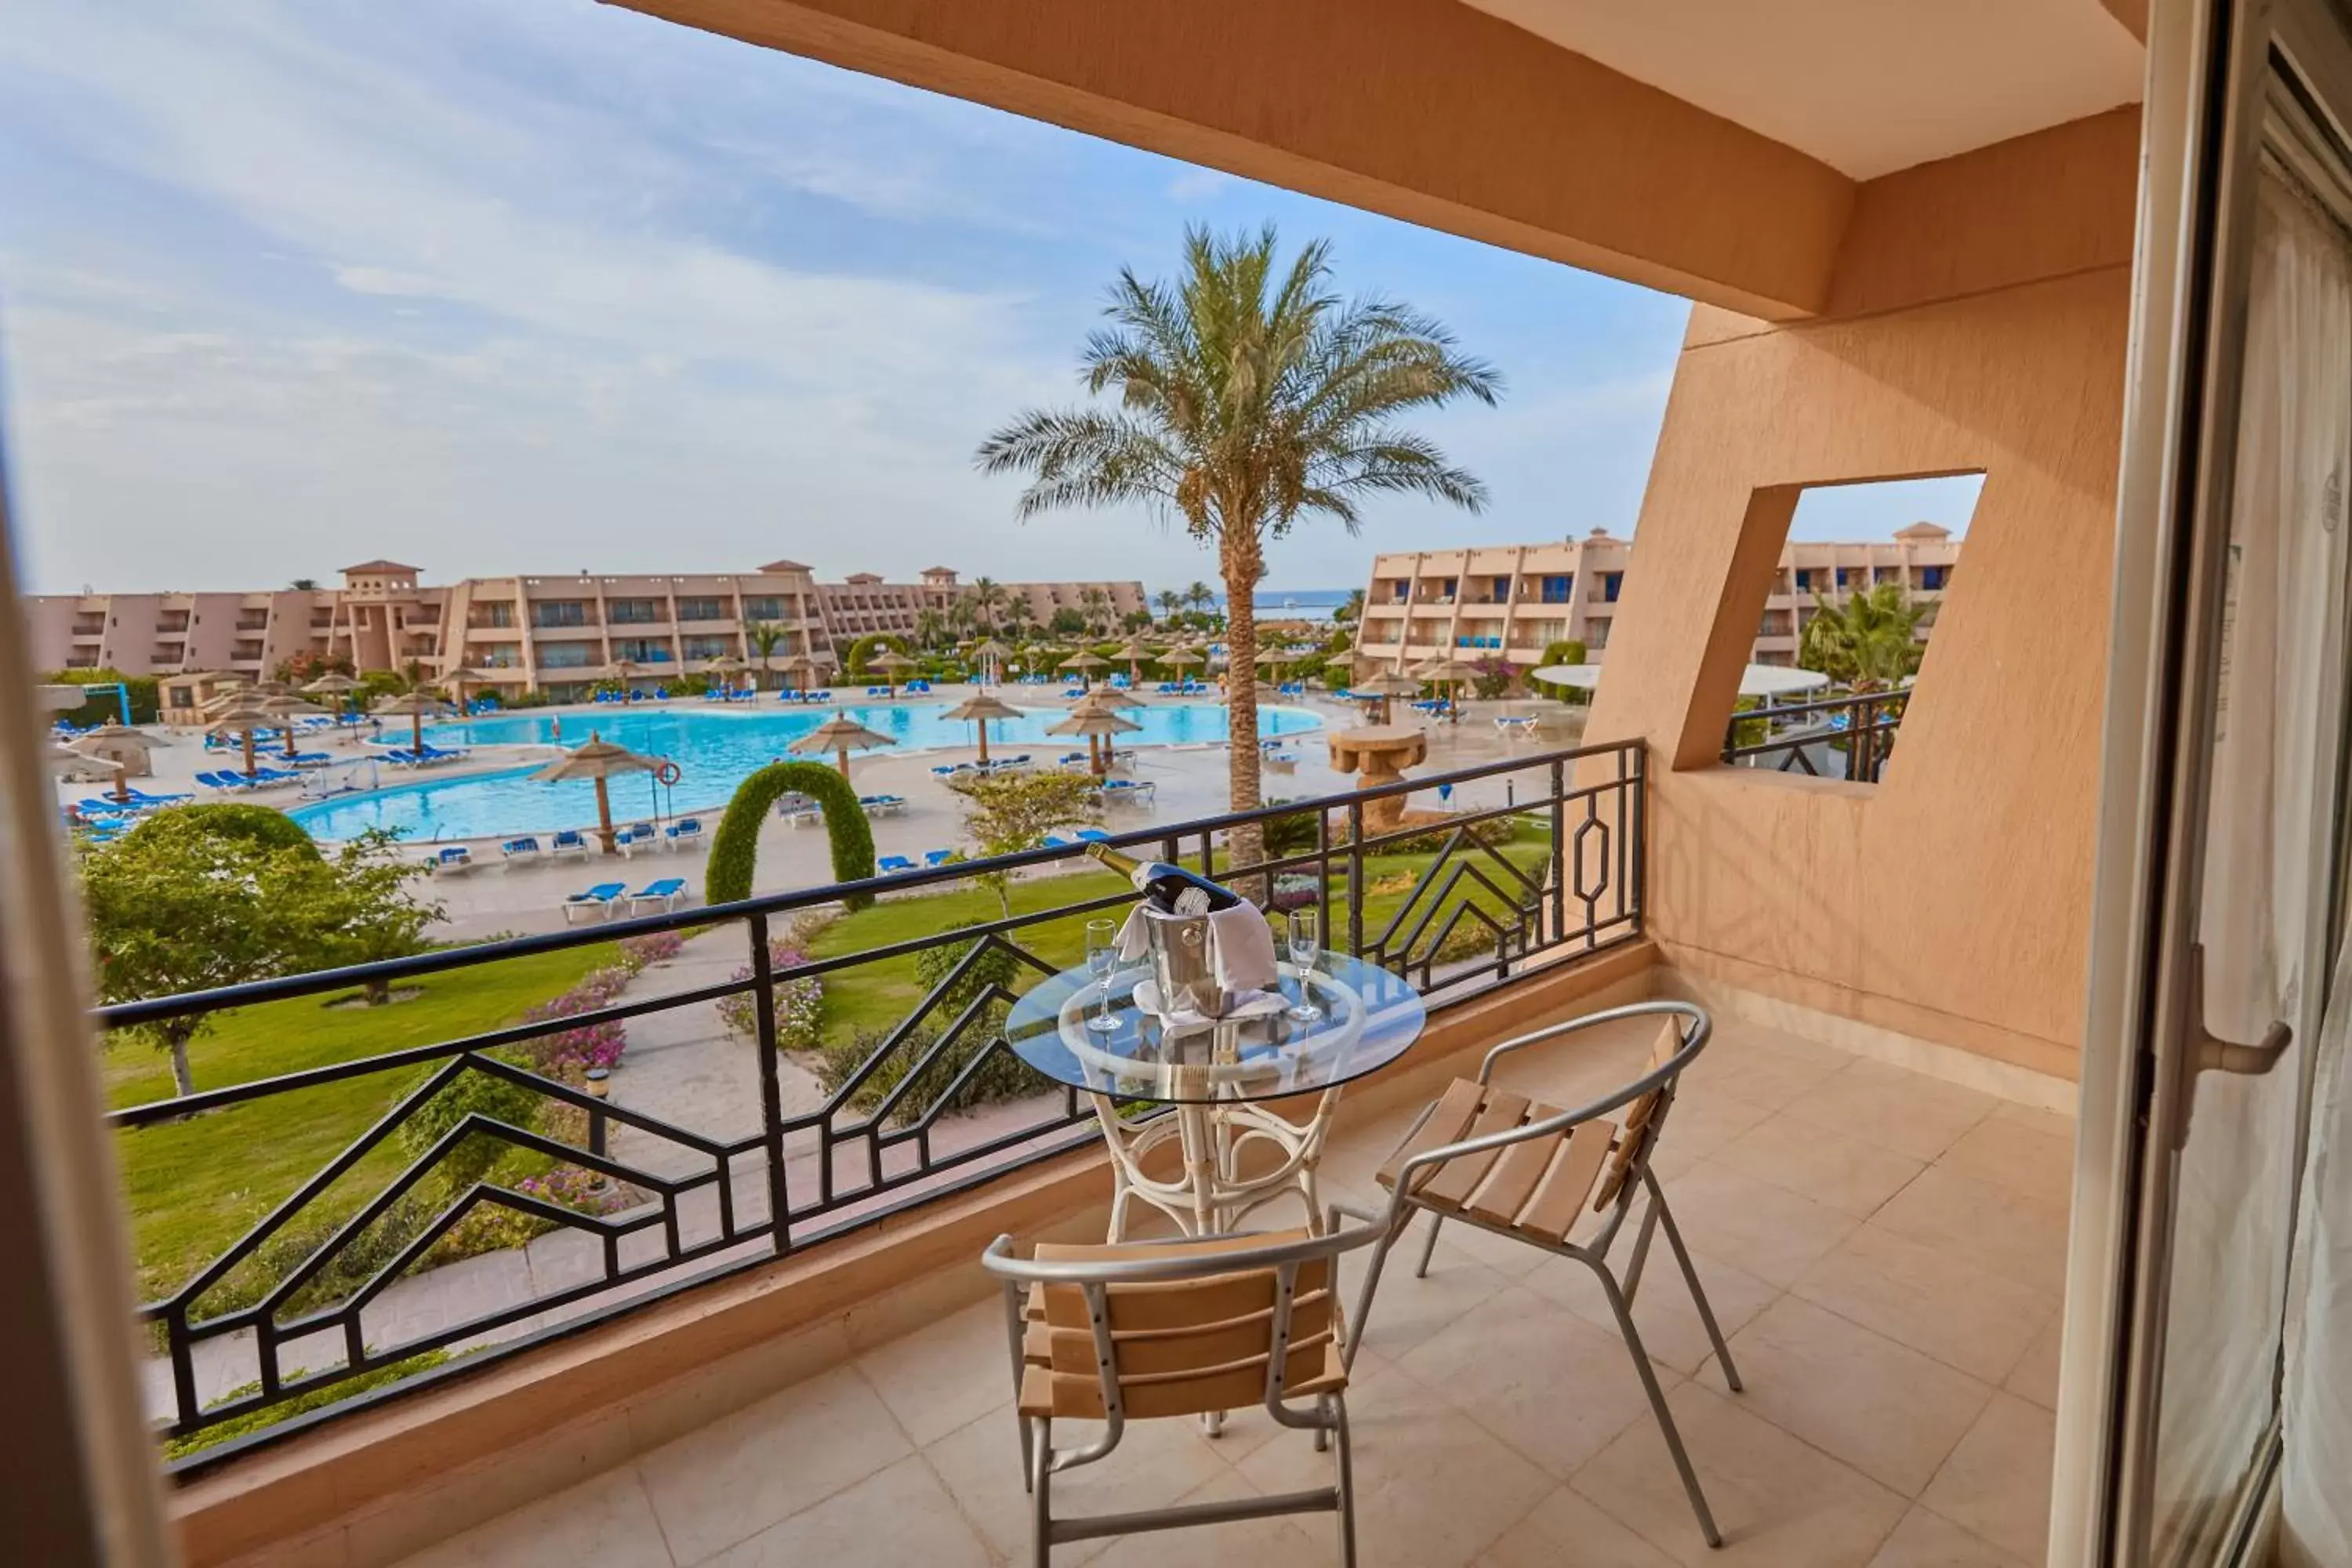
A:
(1824, 704)
(156, 1009)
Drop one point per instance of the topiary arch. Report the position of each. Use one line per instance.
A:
(735, 847)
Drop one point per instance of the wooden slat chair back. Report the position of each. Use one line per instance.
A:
(1130, 1331)
(1561, 1179)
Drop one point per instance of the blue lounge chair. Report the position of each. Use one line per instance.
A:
(1070, 759)
(635, 836)
(517, 850)
(949, 770)
(1093, 836)
(568, 841)
(453, 859)
(666, 893)
(938, 857)
(601, 897)
(686, 831)
(893, 864)
(1056, 841)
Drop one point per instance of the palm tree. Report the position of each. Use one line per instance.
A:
(1249, 397)
(962, 619)
(1097, 608)
(929, 628)
(1868, 640)
(1200, 596)
(762, 638)
(1171, 600)
(1352, 609)
(304, 585)
(987, 595)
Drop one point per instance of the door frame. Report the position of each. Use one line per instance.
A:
(2208, 63)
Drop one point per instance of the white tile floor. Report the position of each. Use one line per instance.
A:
(1883, 1250)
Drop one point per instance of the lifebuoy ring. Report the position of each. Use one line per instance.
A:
(667, 776)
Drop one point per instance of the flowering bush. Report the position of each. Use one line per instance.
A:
(637, 951)
(569, 1053)
(800, 1004)
(1494, 676)
(491, 1227)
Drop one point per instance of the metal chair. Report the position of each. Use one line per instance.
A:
(1145, 1331)
(1486, 1156)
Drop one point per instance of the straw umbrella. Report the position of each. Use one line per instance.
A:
(891, 663)
(979, 709)
(1085, 664)
(986, 655)
(454, 679)
(1103, 700)
(1178, 657)
(91, 746)
(626, 670)
(63, 760)
(1385, 686)
(285, 707)
(1135, 653)
(727, 667)
(599, 760)
(801, 665)
(336, 685)
(843, 734)
(241, 719)
(1097, 725)
(417, 705)
(1447, 672)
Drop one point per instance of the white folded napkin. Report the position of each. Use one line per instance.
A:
(1241, 946)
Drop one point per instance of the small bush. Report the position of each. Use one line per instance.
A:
(469, 1093)
(570, 1053)
(314, 1399)
(1006, 1075)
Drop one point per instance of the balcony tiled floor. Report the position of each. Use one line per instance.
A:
(1885, 1250)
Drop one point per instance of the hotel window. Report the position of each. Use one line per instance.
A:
(1611, 581)
(1804, 579)
(1559, 590)
(567, 655)
(1502, 589)
(559, 613)
(643, 650)
(706, 647)
(634, 611)
(701, 610)
(1931, 577)
(1842, 576)
(496, 616)
(762, 610)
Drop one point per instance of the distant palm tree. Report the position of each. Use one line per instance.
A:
(931, 627)
(987, 597)
(1097, 608)
(1868, 640)
(962, 619)
(762, 638)
(1171, 600)
(1249, 398)
(304, 585)
(1352, 609)
(1200, 596)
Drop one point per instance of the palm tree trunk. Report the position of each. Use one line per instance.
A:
(1239, 561)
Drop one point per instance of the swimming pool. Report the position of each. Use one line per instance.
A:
(715, 749)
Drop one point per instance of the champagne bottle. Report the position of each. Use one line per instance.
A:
(1171, 889)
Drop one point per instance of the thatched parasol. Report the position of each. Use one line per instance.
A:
(843, 734)
(891, 663)
(418, 706)
(242, 719)
(1178, 657)
(599, 760)
(1098, 726)
(985, 656)
(1384, 686)
(93, 746)
(1135, 653)
(454, 679)
(801, 665)
(979, 709)
(285, 707)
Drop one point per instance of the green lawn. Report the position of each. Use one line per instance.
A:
(194, 1186)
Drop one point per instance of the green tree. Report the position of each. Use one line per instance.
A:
(304, 585)
(1200, 596)
(763, 637)
(1249, 397)
(1170, 601)
(1352, 609)
(987, 599)
(1567, 651)
(189, 901)
(1068, 623)
(931, 629)
(1868, 640)
(1005, 814)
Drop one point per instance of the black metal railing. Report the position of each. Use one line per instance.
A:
(1835, 737)
(1528, 860)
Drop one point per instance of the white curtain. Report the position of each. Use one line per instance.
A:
(2267, 864)
(2315, 1487)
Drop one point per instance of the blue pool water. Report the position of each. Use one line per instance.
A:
(715, 750)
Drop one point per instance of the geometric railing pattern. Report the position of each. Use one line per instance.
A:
(1836, 737)
(1541, 856)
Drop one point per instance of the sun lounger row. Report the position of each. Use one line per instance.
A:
(1129, 791)
(883, 804)
(803, 696)
(606, 897)
(261, 778)
(425, 757)
(570, 841)
(1180, 689)
(1085, 835)
(993, 765)
(891, 865)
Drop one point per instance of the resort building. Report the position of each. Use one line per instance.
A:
(554, 633)
(1512, 601)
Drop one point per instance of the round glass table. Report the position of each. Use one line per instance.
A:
(1221, 1076)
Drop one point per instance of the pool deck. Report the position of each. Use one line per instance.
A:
(494, 897)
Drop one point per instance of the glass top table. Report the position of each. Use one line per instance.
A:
(1220, 1077)
(1369, 1018)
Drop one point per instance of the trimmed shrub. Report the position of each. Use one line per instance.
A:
(853, 663)
(471, 1160)
(1568, 651)
(106, 708)
(735, 847)
(262, 825)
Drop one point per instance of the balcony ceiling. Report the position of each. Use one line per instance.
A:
(1865, 86)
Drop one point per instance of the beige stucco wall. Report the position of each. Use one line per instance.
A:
(1951, 900)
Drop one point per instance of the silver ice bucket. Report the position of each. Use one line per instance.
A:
(1184, 962)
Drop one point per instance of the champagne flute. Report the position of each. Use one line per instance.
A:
(1305, 943)
(1102, 957)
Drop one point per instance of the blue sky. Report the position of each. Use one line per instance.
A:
(546, 285)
